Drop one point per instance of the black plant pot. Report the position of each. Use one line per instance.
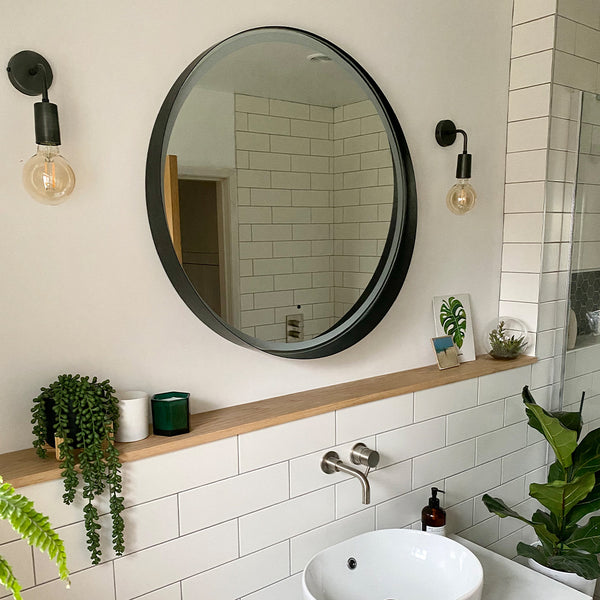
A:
(51, 424)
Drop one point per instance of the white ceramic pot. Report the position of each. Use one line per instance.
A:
(573, 580)
(134, 416)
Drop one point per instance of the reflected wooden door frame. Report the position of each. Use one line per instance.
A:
(171, 191)
(227, 215)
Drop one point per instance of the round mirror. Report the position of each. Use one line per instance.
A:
(280, 193)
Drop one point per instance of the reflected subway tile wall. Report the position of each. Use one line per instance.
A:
(315, 192)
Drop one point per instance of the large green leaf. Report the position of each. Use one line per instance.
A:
(585, 565)
(547, 519)
(562, 440)
(534, 552)
(541, 522)
(586, 458)
(556, 472)
(498, 507)
(547, 529)
(560, 497)
(526, 395)
(569, 561)
(589, 504)
(569, 420)
(454, 320)
(586, 537)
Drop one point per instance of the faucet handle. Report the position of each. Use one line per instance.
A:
(329, 462)
(361, 455)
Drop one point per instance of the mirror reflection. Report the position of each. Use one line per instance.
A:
(278, 185)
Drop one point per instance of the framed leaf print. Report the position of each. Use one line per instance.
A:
(452, 316)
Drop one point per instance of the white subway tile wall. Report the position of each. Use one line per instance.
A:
(555, 53)
(290, 212)
(362, 198)
(246, 531)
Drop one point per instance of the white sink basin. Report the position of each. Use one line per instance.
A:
(394, 564)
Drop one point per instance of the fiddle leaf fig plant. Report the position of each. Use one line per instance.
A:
(571, 493)
(82, 415)
(33, 527)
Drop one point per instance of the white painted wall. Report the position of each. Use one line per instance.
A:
(82, 287)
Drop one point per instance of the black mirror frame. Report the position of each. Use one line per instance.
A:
(388, 277)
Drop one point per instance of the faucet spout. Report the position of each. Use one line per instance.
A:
(331, 463)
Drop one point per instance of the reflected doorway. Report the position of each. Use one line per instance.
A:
(201, 237)
(203, 229)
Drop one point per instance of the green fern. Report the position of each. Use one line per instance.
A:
(35, 529)
(8, 580)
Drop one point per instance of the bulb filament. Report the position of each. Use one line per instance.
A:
(49, 175)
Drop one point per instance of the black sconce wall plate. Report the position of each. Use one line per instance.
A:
(445, 133)
(26, 75)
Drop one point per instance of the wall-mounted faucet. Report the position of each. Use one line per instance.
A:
(359, 455)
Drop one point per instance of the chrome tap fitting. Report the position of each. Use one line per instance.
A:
(360, 455)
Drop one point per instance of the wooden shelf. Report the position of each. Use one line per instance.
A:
(24, 467)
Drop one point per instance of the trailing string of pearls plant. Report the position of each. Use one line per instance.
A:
(82, 415)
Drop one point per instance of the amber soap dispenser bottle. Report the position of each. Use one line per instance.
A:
(433, 517)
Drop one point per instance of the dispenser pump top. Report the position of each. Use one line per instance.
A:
(434, 501)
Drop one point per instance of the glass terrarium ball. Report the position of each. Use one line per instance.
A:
(506, 338)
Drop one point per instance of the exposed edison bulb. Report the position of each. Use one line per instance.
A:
(47, 176)
(461, 197)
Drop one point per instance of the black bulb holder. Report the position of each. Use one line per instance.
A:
(31, 74)
(445, 135)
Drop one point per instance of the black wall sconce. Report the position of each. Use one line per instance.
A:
(461, 197)
(47, 176)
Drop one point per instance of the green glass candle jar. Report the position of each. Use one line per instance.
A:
(171, 413)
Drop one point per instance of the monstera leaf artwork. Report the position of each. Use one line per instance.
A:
(454, 320)
(452, 316)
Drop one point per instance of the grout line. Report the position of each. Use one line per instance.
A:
(533, 53)
(592, 27)
(178, 500)
(532, 85)
(541, 18)
(162, 587)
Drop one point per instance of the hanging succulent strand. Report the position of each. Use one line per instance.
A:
(83, 414)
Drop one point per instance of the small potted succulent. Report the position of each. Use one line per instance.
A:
(82, 415)
(504, 346)
(35, 529)
(568, 549)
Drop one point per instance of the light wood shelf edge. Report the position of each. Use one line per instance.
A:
(24, 467)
